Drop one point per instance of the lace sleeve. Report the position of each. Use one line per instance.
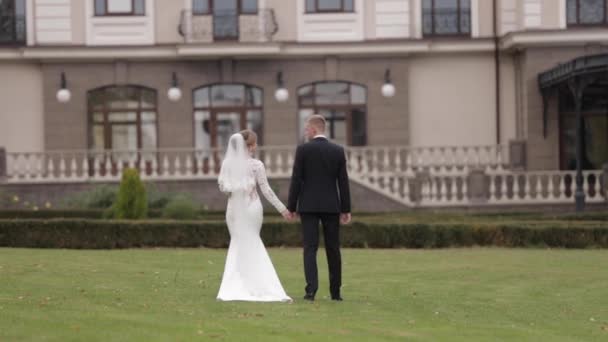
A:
(262, 180)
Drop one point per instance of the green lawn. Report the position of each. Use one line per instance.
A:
(425, 295)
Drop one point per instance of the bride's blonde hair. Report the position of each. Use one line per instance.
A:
(250, 137)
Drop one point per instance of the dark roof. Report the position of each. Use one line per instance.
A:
(581, 66)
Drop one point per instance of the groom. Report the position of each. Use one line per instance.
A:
(319, 191)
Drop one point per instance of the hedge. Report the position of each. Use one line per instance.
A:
(102, 234)
(85, 214)
(219, 215)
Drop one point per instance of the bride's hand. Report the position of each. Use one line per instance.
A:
(287, 215)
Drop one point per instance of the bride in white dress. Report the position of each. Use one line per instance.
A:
(249, 274)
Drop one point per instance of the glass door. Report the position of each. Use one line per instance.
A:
(12, 22)
(225, 20)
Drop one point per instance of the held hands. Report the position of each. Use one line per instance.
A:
(288, 215)
(345, 218)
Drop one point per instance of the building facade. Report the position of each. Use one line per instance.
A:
(465, 74)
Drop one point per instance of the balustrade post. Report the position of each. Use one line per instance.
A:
(478, 185)
(3, 166)
(517, 155)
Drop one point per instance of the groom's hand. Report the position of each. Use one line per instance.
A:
(345, 218)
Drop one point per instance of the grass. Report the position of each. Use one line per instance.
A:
(420, 295)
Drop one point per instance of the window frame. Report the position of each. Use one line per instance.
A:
(118, 14)
(347, 108)
(321, 11)
(459, 34)
(18, 23)
(239, 10)
(106, 111)
(578, 19)
(213, 110)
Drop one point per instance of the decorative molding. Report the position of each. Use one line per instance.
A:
(325, 27)
(532, 13)
(52, 21)
(120, 30)
(392, 18)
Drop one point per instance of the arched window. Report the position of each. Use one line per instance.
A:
(122, 118)
(221, 110)
(343, 104)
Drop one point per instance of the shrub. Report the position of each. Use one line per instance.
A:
(99, 197)
(158, 199)
(131, 201)
(180, 208)
(79, 233)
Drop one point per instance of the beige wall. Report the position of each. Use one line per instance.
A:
(167, 20)
(486, 18)
(79, 22)
(286, 15)
(387, 119)
(452, 100)
(21, 127)
(551, 15)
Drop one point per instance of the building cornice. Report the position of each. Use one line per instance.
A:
(543, 38)
(246, 50)
(401, 47)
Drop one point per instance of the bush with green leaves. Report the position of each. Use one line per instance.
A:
(99, 197)
(158, 199)
(181, 207)
(131, 201)
(83, 233)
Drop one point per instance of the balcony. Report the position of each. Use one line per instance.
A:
(228, 26)
(12, 30)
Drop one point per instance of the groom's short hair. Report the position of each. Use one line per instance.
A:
(317, 121)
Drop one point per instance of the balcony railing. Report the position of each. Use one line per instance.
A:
(415, 177)
(228, 25)
(12, 29)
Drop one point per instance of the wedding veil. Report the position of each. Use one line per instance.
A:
(235, 174)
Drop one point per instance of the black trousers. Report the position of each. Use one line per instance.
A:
(331, 236)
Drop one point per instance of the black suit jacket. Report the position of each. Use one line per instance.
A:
(319, 182)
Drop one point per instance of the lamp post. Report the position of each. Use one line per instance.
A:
(281, 94)
(174, 93)
(388, 89)
(63, 94)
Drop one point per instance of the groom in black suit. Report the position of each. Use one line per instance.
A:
(319, 192)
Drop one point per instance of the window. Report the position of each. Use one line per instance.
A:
(446, 17)
(343, 104)
(224, 7)
(122, 118)
(586, 12)
(120, 7)
(329, 6)
(12, 22)
(221, 110)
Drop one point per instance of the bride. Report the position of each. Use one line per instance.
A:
(249, 274)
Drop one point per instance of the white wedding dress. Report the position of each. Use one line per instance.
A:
(249, 274)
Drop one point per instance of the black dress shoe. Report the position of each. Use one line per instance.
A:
(309, 297)
(336, 298)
